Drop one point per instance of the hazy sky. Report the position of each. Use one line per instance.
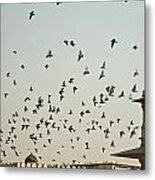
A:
(91, 25)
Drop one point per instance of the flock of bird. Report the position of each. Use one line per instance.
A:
(44, 127)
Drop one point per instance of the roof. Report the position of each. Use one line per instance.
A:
(132, 153)
(31, 159)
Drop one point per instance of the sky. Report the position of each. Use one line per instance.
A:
(91, 25)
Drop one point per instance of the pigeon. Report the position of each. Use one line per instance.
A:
(31, 14)
(135, 47)
(6, 95)
(136, 73)
(86, 71)
(74, 89)
(8, 74)
(101, 75)
(71, 80)
(14, 52)
(113, 42)
(49, 55)
(46, 66)
(58, 3)
(66, 42)
(72, 43)
(121, 94)
(80, 55)
(103, 65)
(22, 66)
(134, 89)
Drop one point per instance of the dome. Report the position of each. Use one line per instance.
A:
(31, 159)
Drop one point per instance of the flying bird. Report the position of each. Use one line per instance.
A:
(101, 75)
(80, 55)
(134, 89)
(136, 73)
(6, 95)
(31, 14)
(103, 65)
(14, 52)
(74, 89)
(135, 47)
(121, 94)
(86, 71)
(49, 55)
(66, 42)
(113, 42)
(8, 74)
(22, 66)
(72, 43)
(58, 3)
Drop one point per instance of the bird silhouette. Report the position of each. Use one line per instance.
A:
(103, 65)
(103, 149)
(80, 55)
(74, 89)
(6, 95)
(72, 43)
(134, 89)
(58, 3)
(121, 94)
(87, 146)
(70, 112)
(14, 52)
(135, 47)
(113, 42)
(101, 75)
(112, 144)
(31, 88)
(46, 66)
(86, 71)
(8, 74)
(136, 73)
(31, 14)
(49, 55)
(71, 80)
(22, 66)
(14, 82)
(122, 133)
(27, 99)
(66, 42)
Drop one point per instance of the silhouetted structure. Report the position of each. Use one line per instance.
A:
(31, 159)
(137, 153)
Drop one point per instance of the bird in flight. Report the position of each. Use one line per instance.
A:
(66, 42)
(134, 89)
(14, 52)
(121, 94)
(72, 43)
(103, 65)
(8, 74)
(135, 47)
(6, 95)
(80, 55)
(101, 75)
(49, 55)
(58, 3)
(31, 14)
(136, 73)
(71, 80)
(74, 89)
(22, 66)
(86, 71)
(113, 42)
(46, 66)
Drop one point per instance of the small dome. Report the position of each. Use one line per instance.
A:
(31, 159)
